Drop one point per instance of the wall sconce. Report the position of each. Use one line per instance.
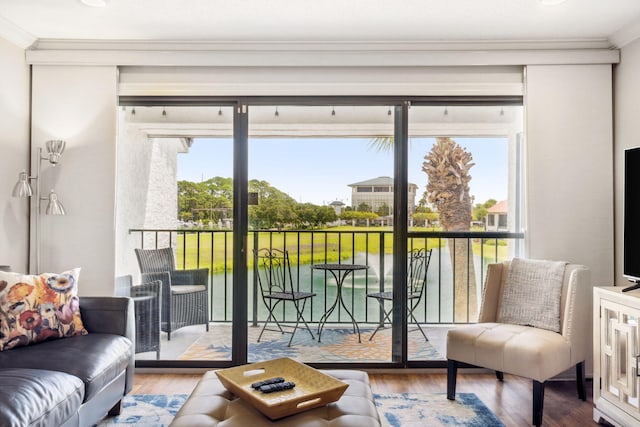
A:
(23, 189)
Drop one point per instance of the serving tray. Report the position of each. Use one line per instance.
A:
(313, 388)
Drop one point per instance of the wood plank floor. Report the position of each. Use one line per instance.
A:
(509, 400)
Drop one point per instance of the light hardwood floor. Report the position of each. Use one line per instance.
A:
(509, 400)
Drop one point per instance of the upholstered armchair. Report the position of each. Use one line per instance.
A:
(524, 350)
(184, 294)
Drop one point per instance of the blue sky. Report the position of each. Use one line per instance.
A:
(319, 170)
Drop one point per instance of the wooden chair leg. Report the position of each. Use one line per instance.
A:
(500, 375)
(538, 400)
(452, 372)
(582, 394)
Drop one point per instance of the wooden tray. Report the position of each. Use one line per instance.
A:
(313, 388)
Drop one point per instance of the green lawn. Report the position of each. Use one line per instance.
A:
(327, 245)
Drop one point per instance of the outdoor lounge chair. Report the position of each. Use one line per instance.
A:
(273, 271)
(418, 264)
(185, 293)
(146, 299)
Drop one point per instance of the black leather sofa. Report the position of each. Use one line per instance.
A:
(73, 381)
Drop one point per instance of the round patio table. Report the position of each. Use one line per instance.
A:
(339, 272)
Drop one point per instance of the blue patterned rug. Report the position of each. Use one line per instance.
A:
(433, 409)
(396, 410)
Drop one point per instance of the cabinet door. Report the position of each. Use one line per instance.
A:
(619, 355)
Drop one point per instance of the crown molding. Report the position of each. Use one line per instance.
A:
(270, 46)
(627, 34)
(16, 35)
(319, 54)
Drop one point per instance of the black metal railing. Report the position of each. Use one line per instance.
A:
(454, 278)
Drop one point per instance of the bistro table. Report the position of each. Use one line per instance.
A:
(339, 272)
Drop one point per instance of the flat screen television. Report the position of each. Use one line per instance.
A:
(631, 267)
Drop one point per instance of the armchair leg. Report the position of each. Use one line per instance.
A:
(500, 375)
(452, 371)
(116, 409)
(582, 395)
(538, 400)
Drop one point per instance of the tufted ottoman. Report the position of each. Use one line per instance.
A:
(211, 404)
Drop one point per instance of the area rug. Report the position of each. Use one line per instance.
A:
(396, 410)
(146, 410)
(433, 410)
(337, 345)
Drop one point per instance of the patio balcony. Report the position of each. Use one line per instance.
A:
(454, 285)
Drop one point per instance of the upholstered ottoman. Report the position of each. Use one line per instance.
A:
(211, 404)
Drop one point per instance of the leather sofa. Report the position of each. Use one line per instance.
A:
(74, 381)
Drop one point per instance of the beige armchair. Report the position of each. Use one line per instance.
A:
(526, 351)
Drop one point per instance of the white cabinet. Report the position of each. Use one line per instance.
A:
(616, 354)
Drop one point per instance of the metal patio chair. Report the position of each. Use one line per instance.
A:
(273, 271)
(185, 293)
(418, 264)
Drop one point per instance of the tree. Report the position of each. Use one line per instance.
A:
(447, 167)
(383, 210)
(357, 216)
(326, 214)
(275, 208)
(425, 217)
(191, 196)
(481, 210)
(363, 207)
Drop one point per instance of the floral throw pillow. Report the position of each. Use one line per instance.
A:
(36, 308)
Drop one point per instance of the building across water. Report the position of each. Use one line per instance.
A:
(377, 193)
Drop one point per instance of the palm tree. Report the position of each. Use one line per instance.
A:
(447, 167)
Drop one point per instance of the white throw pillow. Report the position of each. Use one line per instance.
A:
(532, 293)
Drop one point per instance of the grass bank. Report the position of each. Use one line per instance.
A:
(214, 248)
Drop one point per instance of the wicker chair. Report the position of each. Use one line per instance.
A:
(418, 260)
(146, 299)
(185, 293)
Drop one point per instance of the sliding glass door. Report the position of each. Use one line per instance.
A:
(380, 216)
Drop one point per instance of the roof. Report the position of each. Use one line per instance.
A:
(500, 207)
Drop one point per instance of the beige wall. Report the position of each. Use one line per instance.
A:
(78, 104)
(14, 154)
(627, 132)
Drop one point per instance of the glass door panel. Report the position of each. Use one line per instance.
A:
(464, 162)
(321, 178)
(175, 190)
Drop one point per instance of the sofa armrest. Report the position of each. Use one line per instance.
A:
(108, 315)
(112, 315)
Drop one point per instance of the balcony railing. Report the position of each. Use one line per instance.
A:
(454, 279)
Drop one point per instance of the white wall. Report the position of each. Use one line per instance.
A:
(14, 157)
(627, 132)
(569, 200)
(146, 168)
(78, 104)
(569, 157)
